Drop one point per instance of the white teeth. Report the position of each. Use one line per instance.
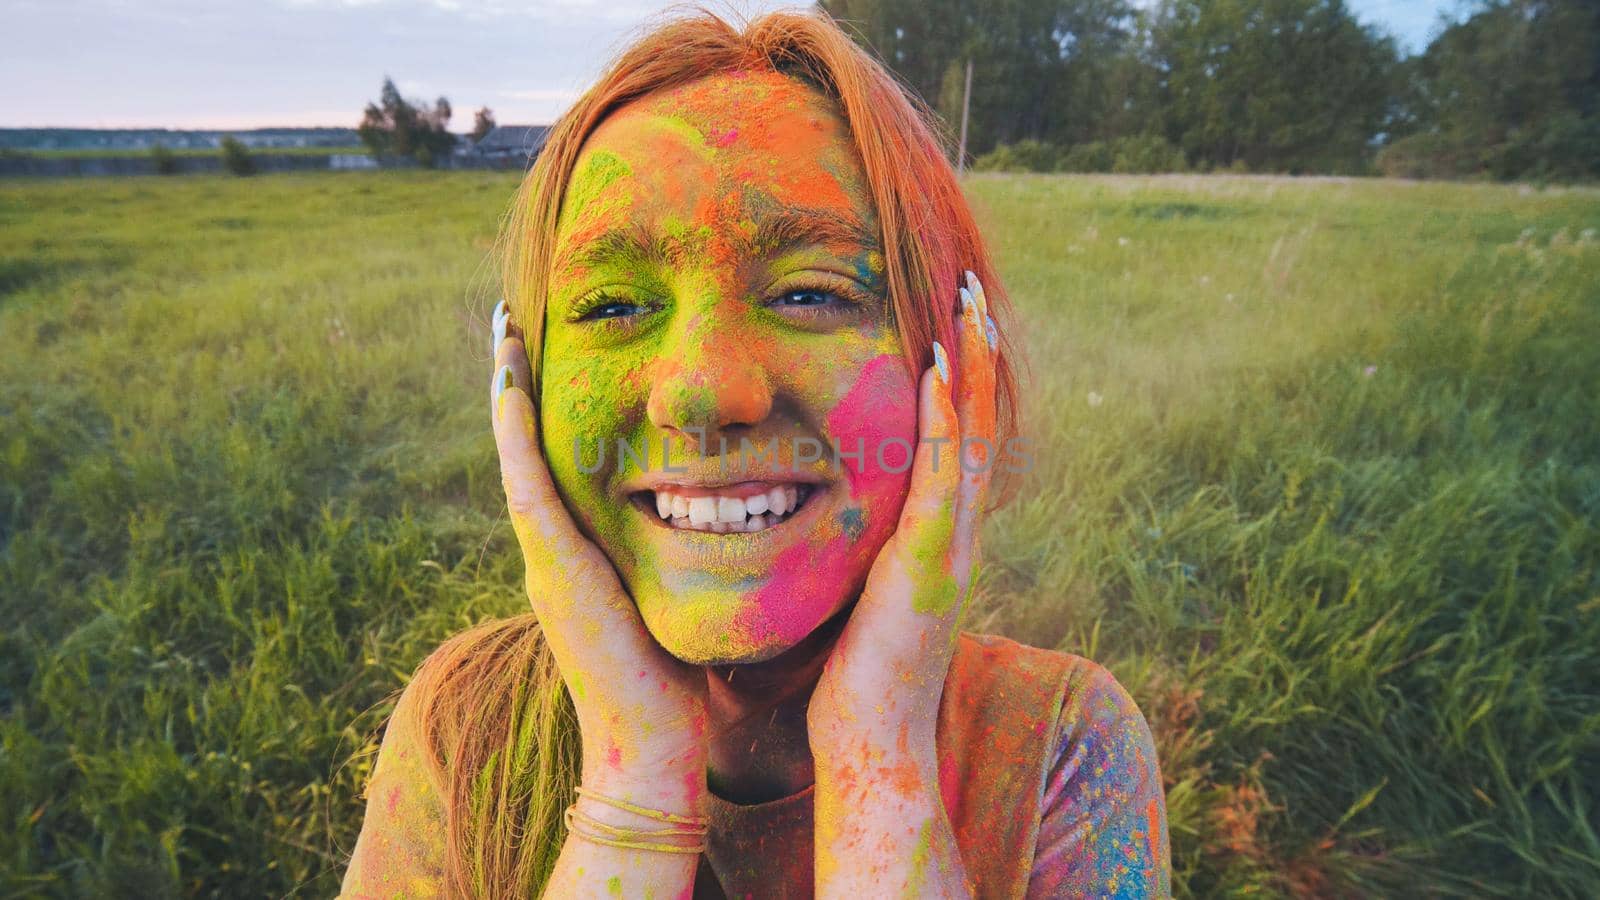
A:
(702, 510)
(730, 510)
(730, 515)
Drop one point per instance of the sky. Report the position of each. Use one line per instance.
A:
(234, 64)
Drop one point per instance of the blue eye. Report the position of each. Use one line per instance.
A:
(614, 310)
(806, 298)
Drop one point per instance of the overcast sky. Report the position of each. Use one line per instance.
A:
(252, 63)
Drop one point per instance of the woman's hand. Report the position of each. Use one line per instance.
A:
(642, 713)
(881, 824)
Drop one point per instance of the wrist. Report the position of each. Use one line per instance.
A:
(676, 786)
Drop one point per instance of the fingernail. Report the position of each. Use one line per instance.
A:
(972, 280)
(991, 333)
(502, 380)
(969, 305)
(941, 363)
(500, 318)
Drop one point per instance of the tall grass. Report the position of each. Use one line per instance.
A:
(1318, 476)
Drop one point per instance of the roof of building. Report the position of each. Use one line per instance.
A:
(517, 138)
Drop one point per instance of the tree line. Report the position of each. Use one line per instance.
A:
(396, 128)
(1507, 89)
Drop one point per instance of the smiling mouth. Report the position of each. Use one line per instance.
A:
(735, 509)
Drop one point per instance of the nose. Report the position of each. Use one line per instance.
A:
(707, 386)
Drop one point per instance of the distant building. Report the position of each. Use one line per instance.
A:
(351, 161)
(509, 146)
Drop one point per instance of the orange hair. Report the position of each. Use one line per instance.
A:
(490, 704)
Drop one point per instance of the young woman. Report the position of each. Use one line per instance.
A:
(750, 393)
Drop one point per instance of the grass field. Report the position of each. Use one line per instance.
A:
(1318, 476)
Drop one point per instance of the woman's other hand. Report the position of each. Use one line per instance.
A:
(872, 717)
(641, 712)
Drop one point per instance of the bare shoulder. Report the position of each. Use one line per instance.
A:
(443, 723)
(401, 849)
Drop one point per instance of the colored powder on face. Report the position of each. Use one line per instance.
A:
(695, 170)
(879, 409)
(599, 171)
(852, 522)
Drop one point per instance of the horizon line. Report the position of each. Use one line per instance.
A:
(215, 127)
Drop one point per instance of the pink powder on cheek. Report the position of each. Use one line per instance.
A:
(808, 578)
(880, 407)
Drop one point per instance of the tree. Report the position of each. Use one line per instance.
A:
(165, 161)
(482, 123)
(1511, 91)
(1042, 69)
(236, 157)
(406, 129)
(1281, 85)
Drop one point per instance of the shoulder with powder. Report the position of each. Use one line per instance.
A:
(1103, 828)
(400, 852)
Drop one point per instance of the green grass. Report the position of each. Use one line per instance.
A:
(1318, 476)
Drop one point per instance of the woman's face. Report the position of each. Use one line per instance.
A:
(717, 290)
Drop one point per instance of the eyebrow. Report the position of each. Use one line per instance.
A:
(777, 233)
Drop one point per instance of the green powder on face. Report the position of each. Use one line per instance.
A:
(599, 171)
(614, 886)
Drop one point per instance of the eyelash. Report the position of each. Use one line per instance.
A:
(587, 309)
(851, 299)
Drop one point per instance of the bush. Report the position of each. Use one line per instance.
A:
(1146, 155)
(1429, 155)
(236, 157)
(1095, 156)
(166, 162)
(1140, 154)
(1024, 156)
(1564, 147)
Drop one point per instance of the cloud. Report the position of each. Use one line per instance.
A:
(542, 95)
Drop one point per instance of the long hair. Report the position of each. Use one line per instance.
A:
(491, 706)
